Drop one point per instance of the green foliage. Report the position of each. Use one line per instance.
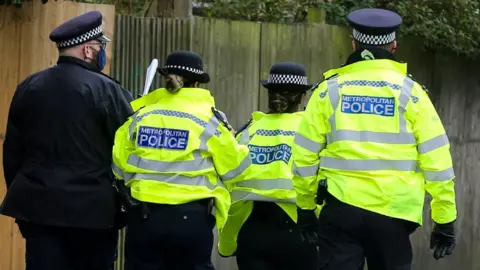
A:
(282, 11)
(444, 24)
(452, 25)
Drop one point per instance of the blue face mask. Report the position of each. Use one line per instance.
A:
(101, 58)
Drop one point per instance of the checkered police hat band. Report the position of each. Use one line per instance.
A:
(287, 79)
(96, 32)
(190, 69)
(373, 40)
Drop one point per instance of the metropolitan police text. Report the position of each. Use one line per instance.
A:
(368, 105)
(162, 138)
(262, 155)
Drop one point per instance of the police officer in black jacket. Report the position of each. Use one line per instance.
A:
(57, 154)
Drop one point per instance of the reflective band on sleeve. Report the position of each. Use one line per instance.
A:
(444, 175)
(174, 166)
(237, 171)
(433, 144)
(244, 137)
(208, 132)
(267, 184)
(306, 171)
(119, 171)
(403, 137)
(201, 181)
(405, 95)
(238, 195)
(137, 118)
(368, 164)
(308, 144)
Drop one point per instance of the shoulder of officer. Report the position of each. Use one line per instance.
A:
(245, 126)
(422, 85)
(222, 118)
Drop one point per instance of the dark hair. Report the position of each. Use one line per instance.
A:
(174, 83)
(284, 101)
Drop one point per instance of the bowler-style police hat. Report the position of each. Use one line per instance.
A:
(373, 26)
(186, 64)
(79, 30)
(287, 75)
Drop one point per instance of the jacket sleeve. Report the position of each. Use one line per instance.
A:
(309, 141)
(122, 148)
(117, 108)
(230, 158)
(13, 144)
(435, 160)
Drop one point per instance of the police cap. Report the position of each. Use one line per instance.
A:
(374, 26)
(287, 74)
(78, 30)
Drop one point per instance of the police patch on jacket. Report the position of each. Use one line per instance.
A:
(162, 138)
(263, 155)
(383, 106)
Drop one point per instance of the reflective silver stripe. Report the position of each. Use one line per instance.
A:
(405, 95)
(201, 181)
(131, 128)
(174, 166)
(371, 136)
(207, 133)
(119, 171)
(267, 184)
(238, 195)
(444, 175)
(308, 144)
(403, 137)
(433, 144)
(306, 171)
(368, 164)
(237, 171)
(244, 137)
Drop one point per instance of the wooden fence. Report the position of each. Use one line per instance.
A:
(237, 55)
(24, 49)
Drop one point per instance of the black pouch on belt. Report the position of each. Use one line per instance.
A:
(322, 192)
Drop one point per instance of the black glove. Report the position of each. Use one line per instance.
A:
(308, 225)
(442, 240)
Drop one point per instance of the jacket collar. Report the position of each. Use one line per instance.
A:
(369, 59)
(83, 64)
(193, 94)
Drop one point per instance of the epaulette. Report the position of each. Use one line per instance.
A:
(242, 128)
(222, 118)
(422, 85)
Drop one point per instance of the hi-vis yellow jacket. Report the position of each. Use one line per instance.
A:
(269, 177)
(376, 137)
(150, 98)
(177, 151)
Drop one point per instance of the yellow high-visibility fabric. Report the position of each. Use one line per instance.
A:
(150, 98)
(374, 134)
(177, 151)
(268, 178)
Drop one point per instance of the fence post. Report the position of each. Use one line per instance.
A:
(316, 15)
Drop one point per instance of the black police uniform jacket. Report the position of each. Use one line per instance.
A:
(58, 146)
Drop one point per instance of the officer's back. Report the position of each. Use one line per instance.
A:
(58, 146)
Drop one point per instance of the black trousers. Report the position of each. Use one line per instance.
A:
(176, 237)
(269, 239)
(348, 235)
(59, 248)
